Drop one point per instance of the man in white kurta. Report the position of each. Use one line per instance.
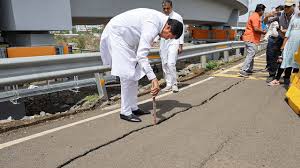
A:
(169, 50)
(125, 44)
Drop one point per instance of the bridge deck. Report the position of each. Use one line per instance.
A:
(219, 121)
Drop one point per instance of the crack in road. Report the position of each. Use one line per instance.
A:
(219, 149)
(158, 123)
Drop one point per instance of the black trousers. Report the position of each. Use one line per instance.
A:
(272, 53)
(287, 73)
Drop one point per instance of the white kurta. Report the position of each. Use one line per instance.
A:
(126, 41)
(169, 53)
(272, 31)
(125, 44)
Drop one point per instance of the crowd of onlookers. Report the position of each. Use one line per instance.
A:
(283, 36)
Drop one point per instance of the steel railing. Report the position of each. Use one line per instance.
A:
(19, 71)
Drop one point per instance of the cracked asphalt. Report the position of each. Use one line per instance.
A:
(221, 123)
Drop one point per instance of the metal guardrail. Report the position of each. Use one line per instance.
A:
(25, 70)
(17, 71)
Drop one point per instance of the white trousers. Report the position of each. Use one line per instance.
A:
(129, 91)
(169, 59)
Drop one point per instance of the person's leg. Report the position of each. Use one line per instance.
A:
(166, 69)
(275, 81)
(167, 77)
(269, 51)
(128, 99)
(287, 75)
(250, 70)
(273, 54)
(133, 93)
(172, 57)
(128, 96)
(250, 48)
(279, 73)
(295, 70)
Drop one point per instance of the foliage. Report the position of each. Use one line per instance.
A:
(212, 65)
(86, 40)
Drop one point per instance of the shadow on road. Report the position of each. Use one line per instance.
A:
(164, 107)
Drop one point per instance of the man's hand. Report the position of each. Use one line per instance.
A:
(272, 14)
(155, 87)
(180, 49)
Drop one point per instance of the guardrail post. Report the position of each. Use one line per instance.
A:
(226, 56)
(203, 61)
(237, 52)
(101, 86)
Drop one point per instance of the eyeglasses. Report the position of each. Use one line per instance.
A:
(285, 6)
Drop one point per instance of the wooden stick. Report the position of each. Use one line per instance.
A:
(154, 110)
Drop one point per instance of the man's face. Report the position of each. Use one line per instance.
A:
(288, 9)
(277, 10)
(167, 8)
(261, 13)
(166, 32)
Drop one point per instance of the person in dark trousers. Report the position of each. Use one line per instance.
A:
(274, 43)
(275, 62)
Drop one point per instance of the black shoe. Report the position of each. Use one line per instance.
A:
(131, 118)
(250, 72)
(140, 112)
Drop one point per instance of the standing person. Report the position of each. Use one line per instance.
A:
(125, 44)
(274, 42)
(252, 38)
(284, 21)
(290, 46)
(169, 50)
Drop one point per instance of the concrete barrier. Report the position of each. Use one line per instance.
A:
(293, 94)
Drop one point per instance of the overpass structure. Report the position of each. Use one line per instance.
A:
(27, 23)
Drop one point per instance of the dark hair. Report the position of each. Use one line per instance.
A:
(280, 7)
(260, 8)
(176, 27)
(167, 1)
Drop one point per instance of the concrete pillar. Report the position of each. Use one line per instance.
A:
(237, 52)
(101, 86)
(226, 56)
(203, 61)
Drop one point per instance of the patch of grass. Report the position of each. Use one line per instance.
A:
(212, 65)
(92, 98)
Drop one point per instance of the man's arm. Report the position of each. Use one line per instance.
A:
(256, 25)
(181, 39)
(267, 19)
(259, 30)
(148, 33)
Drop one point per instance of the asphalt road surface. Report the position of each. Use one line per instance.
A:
(222, 121)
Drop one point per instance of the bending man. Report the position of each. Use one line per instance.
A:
(125, 44)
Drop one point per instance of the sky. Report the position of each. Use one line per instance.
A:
(268, 3)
